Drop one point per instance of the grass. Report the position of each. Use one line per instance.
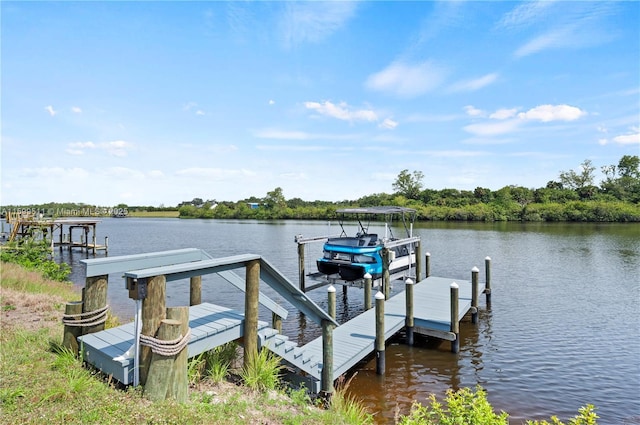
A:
(41, 382)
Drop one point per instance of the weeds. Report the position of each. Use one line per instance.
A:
(262, 372)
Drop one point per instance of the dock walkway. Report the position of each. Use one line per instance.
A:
(354, 340)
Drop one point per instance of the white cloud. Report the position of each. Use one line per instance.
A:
(342, 111)
(474, 84)
(282, 134)
(76, 110)
(629, 139)
(388, 123)
(50, 110)
(493, 128)
(122, 173)
(525, 13)
(155, 174)
(407, 80)
(199, 112)
(473, 111)
(117, 148)
(547, 113)
(272, 102)
(502, 114)
(314, 21)
(56, 173)
(213, 173)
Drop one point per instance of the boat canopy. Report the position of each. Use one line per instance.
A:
(377, 210)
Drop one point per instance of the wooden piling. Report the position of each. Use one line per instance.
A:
(331, 295)
(427, 264)
(417, 252)
(380, 340)
(195, 290)
(154, 311)
(474, 295)
(367, 291)
(160, 376)
(179, 389)
(408, 284)
(326, 378)
(71, 333)
(301, 270)
(95, 298)
(386, 280)
(455, 326)
(487, 285)
(276, 322)
(251, 311)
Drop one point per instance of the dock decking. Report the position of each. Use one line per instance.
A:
(213, 325)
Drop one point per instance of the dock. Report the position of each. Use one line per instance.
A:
(46, 228)
(212, 325)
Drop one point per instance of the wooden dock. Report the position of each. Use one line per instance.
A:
(111, 350)
(355, 339)
(212, 325)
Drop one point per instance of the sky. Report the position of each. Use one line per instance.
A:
(155, 103)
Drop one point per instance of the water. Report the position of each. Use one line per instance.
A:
(563, 329)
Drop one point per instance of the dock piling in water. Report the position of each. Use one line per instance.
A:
(427, 264)
(408, 284)
(380, 339)
(487, 285)
(474, 295)
(455, 325)
(367, 291)
(331, 294)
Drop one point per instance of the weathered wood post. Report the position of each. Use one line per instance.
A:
(367, 291)
(195, 290)
(427, 264)
(487, 285)
(276, 322)
(160, 375)
(331, 294)
(455, 326)
(154, 311)
(72, 315)
(179, 389)
(386, 260)
(474, 295)
(418, 254)
(301, 270)
(251, 311)
(409, 308)
(380, 342)
(106, 244)
(94, 297)
(326, 378)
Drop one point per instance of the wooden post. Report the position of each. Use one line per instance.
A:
(70, 237)
(326, 378)
(487, 285)
(154, 311)
(455, 326)
(409, 316)
(95, 242)
(474, 295)
(195, 290)
(427, 264)
(95, 298)
(179, 388)
(418, 255)
(251, 311)
(71, 333)
(380, 341)
(160, 376)
(331, 294)
(367, 292)
(386, 254)
(301, 271)
(276, 322)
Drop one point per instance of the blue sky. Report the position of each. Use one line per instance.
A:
(153, 103)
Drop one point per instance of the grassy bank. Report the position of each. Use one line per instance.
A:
(43, 383)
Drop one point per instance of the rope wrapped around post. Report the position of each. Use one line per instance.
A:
(91, 318)
(166, 348)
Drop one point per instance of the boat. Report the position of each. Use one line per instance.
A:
(352, 257)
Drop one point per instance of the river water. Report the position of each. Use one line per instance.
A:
(563, 329)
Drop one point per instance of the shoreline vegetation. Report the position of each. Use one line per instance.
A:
(574, 197)
(43, 381)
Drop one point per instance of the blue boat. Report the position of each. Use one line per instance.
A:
(351, 257)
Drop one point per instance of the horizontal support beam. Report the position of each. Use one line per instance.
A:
(447, 336)
(401, 242)
(197, 268)
(124, 263)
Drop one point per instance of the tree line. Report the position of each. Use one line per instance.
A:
(573, 196)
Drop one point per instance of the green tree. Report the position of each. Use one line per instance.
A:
(275, 199)
(574, 180)
(408, 185)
